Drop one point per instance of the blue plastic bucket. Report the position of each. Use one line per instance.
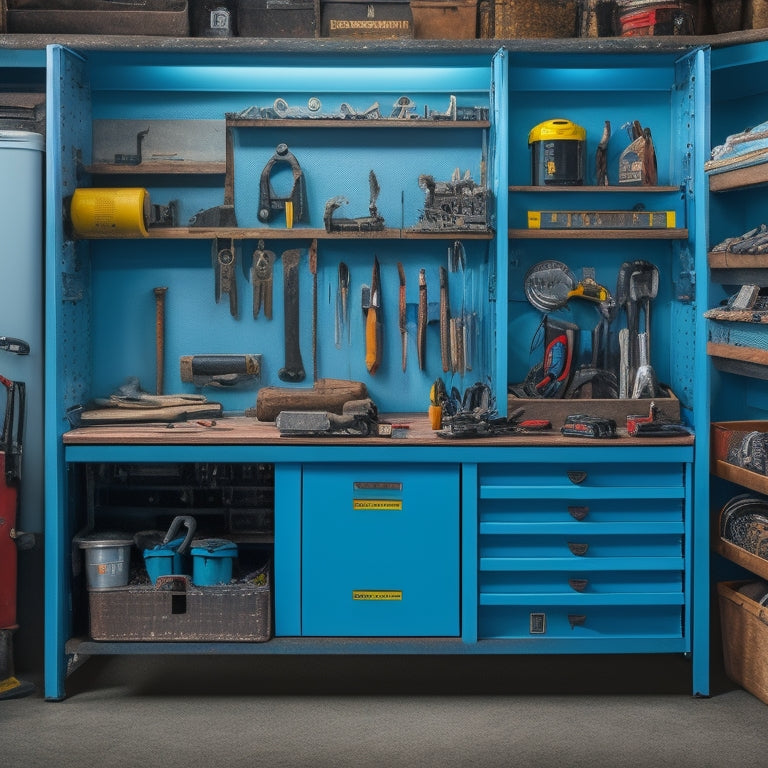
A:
(165, 560)
(212, 561)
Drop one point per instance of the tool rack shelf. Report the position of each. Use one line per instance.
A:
(599, 234)
(158, 167)
(739, 178)
(297, 233)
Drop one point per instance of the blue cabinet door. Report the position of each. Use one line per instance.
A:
(380, 551)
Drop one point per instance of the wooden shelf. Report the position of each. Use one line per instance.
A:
(740, 476)
(739, 178)
(742, 354)
(160, 167)
(266, 233)
(384, 122)
(585, 189)
(753, 563)
(726, 260)
(598, 234)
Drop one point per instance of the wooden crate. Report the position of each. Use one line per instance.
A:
(744, 627)
(535, 18)
(610, 408)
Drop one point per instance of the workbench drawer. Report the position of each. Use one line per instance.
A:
(583, 581)
(581, 550)
(380, 550)
(582, 620)
(543, 479)
(621, 509)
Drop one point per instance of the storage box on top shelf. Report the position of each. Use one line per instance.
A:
(166, 18)
(445, 19)
(277, 18)
(382, 19)
(535, 18)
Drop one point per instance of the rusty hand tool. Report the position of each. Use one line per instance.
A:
(342, 304)
(445, 321)
(261, 280)
(160, 292)
(401, 315)
(294, 367)
(224, 271)
(421, 321)
(313, 272)
(373, 325)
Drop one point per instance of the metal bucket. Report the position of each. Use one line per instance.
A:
(107, 559)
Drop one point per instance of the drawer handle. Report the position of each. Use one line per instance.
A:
(577, 619)
(578, 548)
(578, 585)
(578, 513)
(576, 476)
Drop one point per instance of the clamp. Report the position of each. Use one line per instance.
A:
(295, 203)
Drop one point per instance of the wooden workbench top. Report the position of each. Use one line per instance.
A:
(242, 430)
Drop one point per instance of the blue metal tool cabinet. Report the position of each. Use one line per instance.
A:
(517, 545)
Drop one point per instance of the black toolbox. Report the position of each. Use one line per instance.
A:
(277, 18)
(167, 18)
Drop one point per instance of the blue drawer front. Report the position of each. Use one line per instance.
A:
(616, 510)
(380, 551)
(573, 622)
(495, 478)
(582, 581)
(581, 549)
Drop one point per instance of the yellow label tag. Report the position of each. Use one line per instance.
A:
(377, 594)
(377, 504)
(534, 220)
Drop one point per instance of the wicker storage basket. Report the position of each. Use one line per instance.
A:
(535, 18)
(745, 639)
(176, 610)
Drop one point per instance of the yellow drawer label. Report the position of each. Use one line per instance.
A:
(377, 594)
(377, 504)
